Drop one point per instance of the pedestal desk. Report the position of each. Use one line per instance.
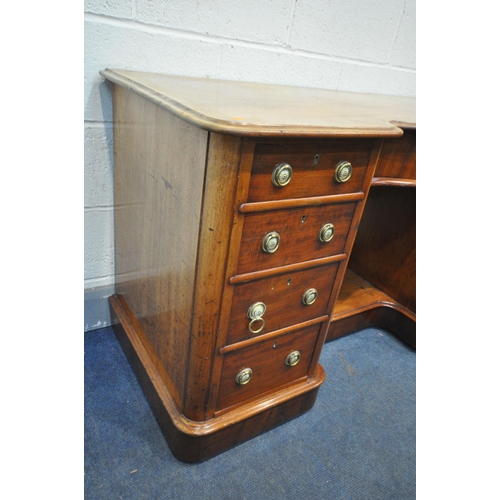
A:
(237, 207)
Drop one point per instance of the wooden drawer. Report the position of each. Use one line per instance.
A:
(298, 230)
(282, 296)
(313, 169)
(267, 362)
(398, 157)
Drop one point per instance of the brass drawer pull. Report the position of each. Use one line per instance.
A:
(343, 171)
(252, 323)
(309, 296)
(326, 232)
(254, 314)
(282, 174)
(256, 310)
(271, 242)
(293, 358)
(244, 376)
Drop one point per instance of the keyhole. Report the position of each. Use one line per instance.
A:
(304, 217)
(316, 159)
(275, 345)
(289, 281)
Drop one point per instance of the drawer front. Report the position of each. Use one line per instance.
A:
(313, 169)
(267, 362)
(298, 231)
(398, 157)
(285, 298)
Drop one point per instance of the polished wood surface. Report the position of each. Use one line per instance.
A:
(223, 158)
(268, 206)
(380, 286)
(385, 249)
(267, 361)
(255, 109)
(398, 158)
(298, 229)
(362, 305)
(156, 279)
(313, 165)
(290, 268)
(282, 296)
(194, 200)
(394, 181)
(274, 334)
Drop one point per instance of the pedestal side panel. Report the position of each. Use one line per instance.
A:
(159, 175)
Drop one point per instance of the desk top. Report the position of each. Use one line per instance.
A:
(254, 109)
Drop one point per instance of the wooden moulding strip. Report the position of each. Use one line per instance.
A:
(266, 273)
(373, 305)
(404, 125)
(393, 181)
(266, 206)
(207, 427)
(270, 335)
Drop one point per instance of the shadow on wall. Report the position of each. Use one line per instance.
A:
(105, 95)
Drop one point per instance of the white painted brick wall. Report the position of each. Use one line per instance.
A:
(356, 45)
(259, 21)
(354, 29)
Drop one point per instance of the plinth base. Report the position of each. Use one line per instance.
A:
(192, 441)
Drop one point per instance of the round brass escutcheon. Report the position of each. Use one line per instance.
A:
(309, 296)
(256, 310)
(244, 376)
(282, 174)
(326, 232)
(257, 329)
(271, 242)
(293, 358)
(343, 171)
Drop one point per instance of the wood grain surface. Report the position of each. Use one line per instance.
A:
(255, 109)
(362, 305)
(313, 165)
(223, 160)
(385, 249)
(398, 158)
(298, 229)
(157, 220)
(267, 360)
(282, 296)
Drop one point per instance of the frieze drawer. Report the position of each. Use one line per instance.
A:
(312, 169)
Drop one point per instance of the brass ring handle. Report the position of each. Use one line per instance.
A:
(293, 358)
(253, 321)
(282, 174)
(244, 376)
(343, 171)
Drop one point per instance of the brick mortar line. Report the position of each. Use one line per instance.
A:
(194, 35)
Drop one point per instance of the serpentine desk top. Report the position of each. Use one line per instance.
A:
(255, 109)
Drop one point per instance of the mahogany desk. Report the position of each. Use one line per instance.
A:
(238, 207)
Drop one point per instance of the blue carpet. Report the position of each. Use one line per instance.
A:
(358, 441)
